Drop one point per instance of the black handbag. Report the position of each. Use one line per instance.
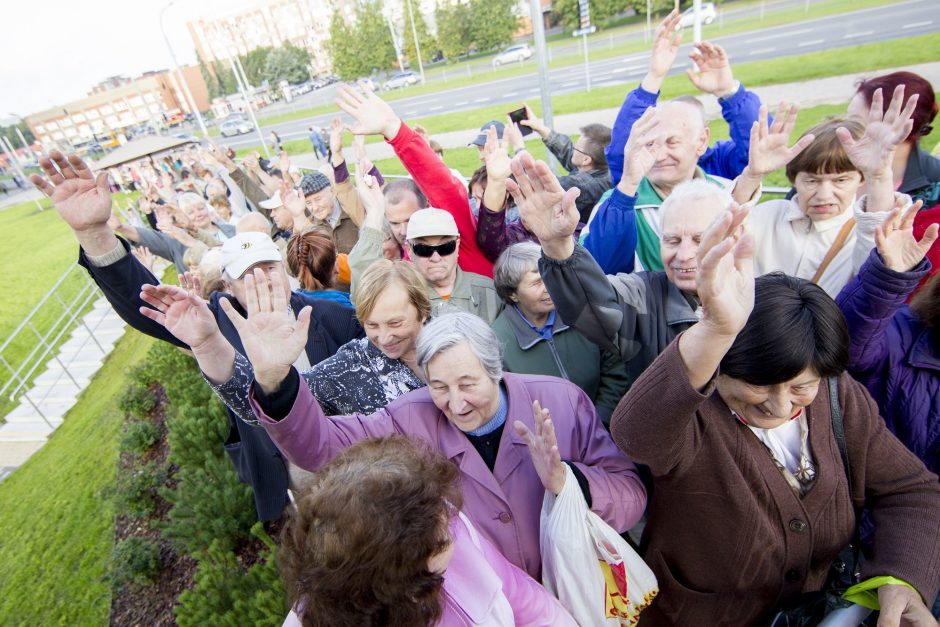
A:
(811, 608)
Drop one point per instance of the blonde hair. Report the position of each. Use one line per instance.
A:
(383, 273)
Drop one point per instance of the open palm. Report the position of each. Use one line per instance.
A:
(725, 279)
(548, 211)
(768, 149)
(184, 314)
(898, 247)
(885, 129)
(82, 199)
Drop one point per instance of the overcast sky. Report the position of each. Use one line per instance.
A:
(52, 52)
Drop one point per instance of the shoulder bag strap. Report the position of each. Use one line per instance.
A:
(838, 430)
(837, 245)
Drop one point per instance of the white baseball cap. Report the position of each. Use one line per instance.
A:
(431, 222)
(273, 202)
(246, 250)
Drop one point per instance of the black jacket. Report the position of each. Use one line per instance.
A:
(256, 459)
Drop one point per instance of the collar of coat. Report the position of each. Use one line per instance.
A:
(525, 334)
(647, 196)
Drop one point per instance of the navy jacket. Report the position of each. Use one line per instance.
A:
(255, 457)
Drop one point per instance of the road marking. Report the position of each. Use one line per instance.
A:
(918, 24)
(482, 100)
(512, 93)
(572, 84)
(411, 114)
(435, 108)
(461, 103)
(789, 34)
(761, 51)
(864, 33)
(812, 42)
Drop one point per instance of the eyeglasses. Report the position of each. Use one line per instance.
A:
(426, 250)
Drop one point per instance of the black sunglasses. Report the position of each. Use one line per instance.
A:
(426, 250)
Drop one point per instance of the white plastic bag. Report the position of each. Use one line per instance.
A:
(595, 574)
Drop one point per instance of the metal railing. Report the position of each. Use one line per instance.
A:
(39, 335)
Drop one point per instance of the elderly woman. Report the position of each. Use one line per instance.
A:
(536, 341)
(463, 414)
(753, 500)
(824, 233)
(364, 375)
(377, 539)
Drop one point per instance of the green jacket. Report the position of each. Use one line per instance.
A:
(473, 293)
(568, 355)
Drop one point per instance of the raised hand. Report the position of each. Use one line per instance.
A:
(495, 154)
(372, 115)
(81, 198)
(768, 149)
(283, 164)
(725, 278)
(663, 53)
(293, 201)
(535, 122)
(873, 152)
(181, 311)
(273, 340)
(548, 211)
(712, 73)
(373, 200)
(145, 257)
(512, 136)
(359, 149)
(543, 447)
(896, 243)
(639, 154)
(336, 139)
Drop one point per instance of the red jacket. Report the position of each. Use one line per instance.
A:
(922, 221)
(444, 191)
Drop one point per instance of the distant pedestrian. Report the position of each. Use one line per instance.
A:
(276, 142)
(316, 140)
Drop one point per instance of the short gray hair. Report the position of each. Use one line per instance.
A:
(450, 329)
(695, 191)
(515, 262)
(187, 200)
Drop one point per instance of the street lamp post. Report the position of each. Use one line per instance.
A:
(541, 55)
(189, 97)
(414, 33)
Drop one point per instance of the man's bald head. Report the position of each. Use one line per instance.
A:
(253, 222)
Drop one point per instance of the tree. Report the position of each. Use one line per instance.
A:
(254, 64)
(569, 11)
(10, 133)
(453, 28)
(288, 63)
(344, 50)
(426, 40)
(492, 23)
(374, 39)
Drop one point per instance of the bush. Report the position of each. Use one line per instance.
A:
(138, 401)
(137, 489)
(196, 432)
(225, 593)
(140, 436)
(135, 560)
(209, 504)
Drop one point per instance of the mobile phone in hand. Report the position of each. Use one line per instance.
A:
(517, 116)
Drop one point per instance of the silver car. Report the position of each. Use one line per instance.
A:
(513, 54)
(401, 79)
(235, 126)
(708, 15)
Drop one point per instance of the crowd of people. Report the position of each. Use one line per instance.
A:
(410, 365)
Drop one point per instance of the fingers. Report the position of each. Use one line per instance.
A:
(301, 328)
(930, 237)
(908, 221)
(277, 291)
(714, 234)
(876, 109)
(262, 288)
(79, 167)
(845, 138)
(238, 321)
(41, 184)
(802, 144)
(744, 254)
(62, 163)
(570, 198)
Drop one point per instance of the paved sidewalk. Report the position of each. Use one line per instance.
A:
(831, 90)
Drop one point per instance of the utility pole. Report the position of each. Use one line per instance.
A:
(414, 33)
(541, 56)
(586, 29)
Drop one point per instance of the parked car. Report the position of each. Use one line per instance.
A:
(708, 15)
(368, 82)
(513, 54)
(235, 126)
(401, 79)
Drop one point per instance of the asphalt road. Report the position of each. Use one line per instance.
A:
(907, 19)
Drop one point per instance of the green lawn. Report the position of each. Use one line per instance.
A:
(58, 519)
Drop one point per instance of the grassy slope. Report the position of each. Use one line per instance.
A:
(57, 523)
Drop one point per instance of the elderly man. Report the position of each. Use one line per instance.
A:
(633, 315)
(339, 215)
(84, 202)
(683, 150)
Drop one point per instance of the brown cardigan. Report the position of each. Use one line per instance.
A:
(727, 537)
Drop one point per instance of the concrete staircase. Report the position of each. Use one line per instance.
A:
(55, 391)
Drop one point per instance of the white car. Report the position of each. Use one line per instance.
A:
(708, 15)
(401, 79)
(513, 54)
(235, 126)
(368, 82)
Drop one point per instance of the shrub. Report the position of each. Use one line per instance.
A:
(138, 401)
(209, 504)
(137, 489)
(225, 593)
(140, 436)
(196, 432)
(135, 560)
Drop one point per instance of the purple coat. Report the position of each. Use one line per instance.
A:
(894, 355)
(504, 504)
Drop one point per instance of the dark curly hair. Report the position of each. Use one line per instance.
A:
(356, 551)
(311, 257)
